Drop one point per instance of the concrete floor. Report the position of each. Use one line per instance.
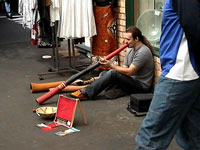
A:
(110, 125)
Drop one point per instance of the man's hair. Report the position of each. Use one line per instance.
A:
(137, 33)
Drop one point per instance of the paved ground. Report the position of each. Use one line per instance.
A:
(110, 125)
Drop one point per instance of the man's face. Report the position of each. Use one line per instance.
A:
(128, 39)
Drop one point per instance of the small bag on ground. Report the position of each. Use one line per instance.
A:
(139, 103)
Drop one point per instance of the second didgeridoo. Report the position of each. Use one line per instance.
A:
(53, 92)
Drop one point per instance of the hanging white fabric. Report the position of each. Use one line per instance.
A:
(25, 8)
(54, 11)
(76, 19)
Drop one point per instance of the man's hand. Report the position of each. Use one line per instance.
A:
(129, 71)
(105, 63)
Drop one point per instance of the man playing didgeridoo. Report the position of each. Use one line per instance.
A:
(134, 77)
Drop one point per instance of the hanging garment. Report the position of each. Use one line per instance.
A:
(76, 19)
(34, 35)
(25, 8)
(54, 11)
(45, 38)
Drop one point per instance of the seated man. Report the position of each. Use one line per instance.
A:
(134, 77)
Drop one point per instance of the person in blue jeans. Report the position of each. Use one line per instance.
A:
(8, 8)
(175, 107)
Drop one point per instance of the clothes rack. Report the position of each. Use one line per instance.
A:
(56, 60)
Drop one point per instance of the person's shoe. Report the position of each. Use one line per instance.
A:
(78, 94)
(9, 15)
(114, 93)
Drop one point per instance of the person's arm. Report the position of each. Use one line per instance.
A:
(129, 71)
(189, 15)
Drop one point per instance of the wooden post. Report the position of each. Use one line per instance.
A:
(82, 113)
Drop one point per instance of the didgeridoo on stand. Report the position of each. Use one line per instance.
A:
(55, 91)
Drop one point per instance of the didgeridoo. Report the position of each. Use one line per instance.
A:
(42, 87)
(55, 91)
(71, 88)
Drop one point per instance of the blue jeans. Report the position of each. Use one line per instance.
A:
(174, 111)
(112, 77)
(7, 7)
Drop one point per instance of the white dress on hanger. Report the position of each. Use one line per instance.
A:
(25, 8)
(54, 11)
(76, 19)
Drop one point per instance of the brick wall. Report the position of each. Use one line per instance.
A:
(121, 27)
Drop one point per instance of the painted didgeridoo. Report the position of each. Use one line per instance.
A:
(55, 91)
(43, 87)
(70, 88)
